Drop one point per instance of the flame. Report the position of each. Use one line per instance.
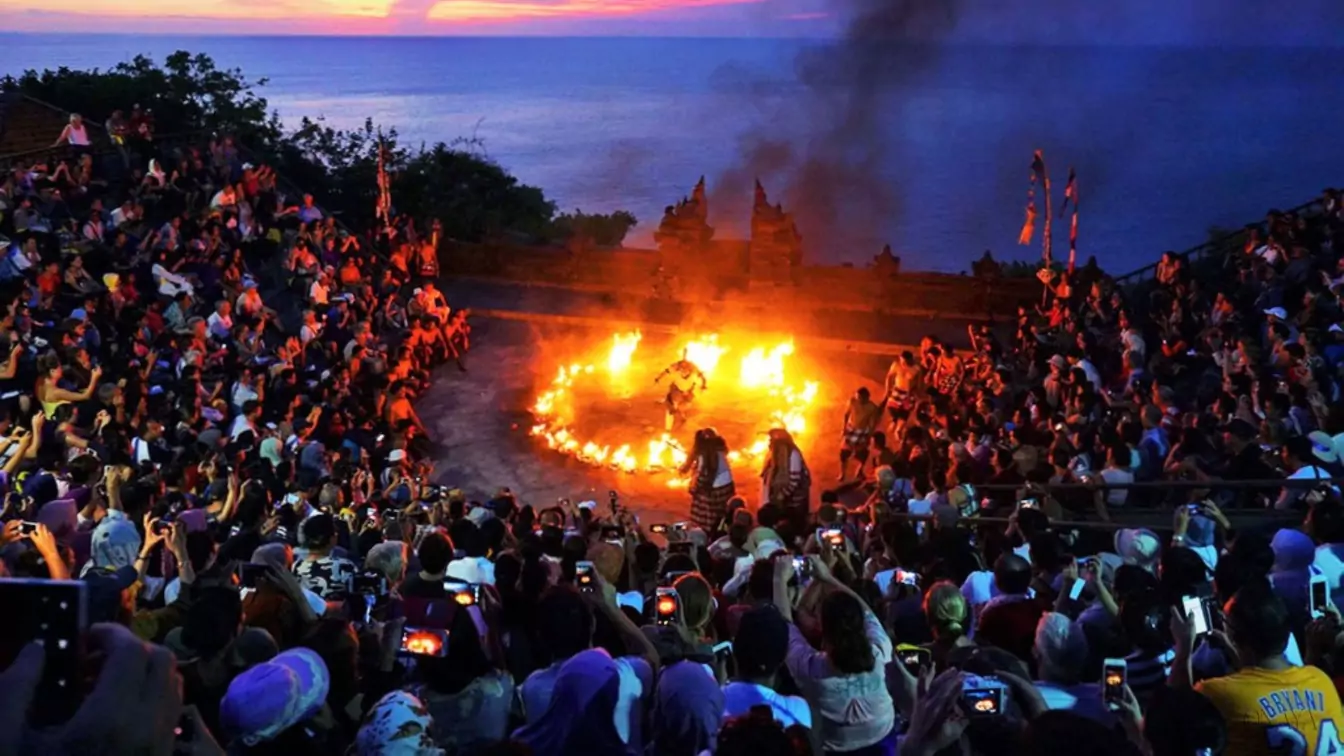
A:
(705, 353)
(622, 351)
(763, 371)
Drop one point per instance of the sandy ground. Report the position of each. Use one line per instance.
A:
(479, 421)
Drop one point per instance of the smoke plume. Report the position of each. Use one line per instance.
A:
(821, 149)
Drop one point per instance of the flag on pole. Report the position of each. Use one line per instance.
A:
(1029, 225)
(1038, 163)
(1072, 193)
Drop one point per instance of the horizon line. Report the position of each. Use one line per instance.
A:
(205, 34)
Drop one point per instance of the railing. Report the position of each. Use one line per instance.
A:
(1219, 247)
(1152, 516)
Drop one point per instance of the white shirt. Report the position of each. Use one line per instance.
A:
(1329, 564)
(1090, 371)
(739, 697)
(855, 711)
(240, 426)
(220, 325)
(1116, 497)
(309, 332)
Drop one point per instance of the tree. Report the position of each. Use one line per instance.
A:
(601, 230)
(472, 196)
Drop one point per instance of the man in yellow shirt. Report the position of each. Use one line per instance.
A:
(1270, 706)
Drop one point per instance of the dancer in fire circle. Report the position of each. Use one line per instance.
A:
(681, 391)
(903, 383)
(785, 480)
(711, 478)
(861, 419)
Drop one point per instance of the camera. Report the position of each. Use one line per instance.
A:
(583, 577)
(983, 696)
(802, 567)
(831, 535)
(666, 606)
(1113, 675)
(914, 658)
(462, 592)
(419, 641)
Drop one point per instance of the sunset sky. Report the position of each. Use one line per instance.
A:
(1308, 22)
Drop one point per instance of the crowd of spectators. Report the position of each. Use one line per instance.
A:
(209, 436)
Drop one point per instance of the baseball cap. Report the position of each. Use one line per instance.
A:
(396, 455)
(1277, 312)
(104, 591)
(269, 698)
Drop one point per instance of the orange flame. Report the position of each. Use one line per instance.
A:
(763, 371)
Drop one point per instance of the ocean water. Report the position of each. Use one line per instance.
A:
(1167, 142)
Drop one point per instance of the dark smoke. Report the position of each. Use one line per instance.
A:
(823, 153)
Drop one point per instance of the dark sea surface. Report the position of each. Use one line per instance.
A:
(1167, 142)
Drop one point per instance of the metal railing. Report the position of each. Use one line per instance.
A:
(1218, 247)
(1152, 516)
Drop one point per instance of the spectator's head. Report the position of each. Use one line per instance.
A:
(1258, 622)
(263, 703)
(761, 643)
(1060, 649)
(697, 601)
(946, 611)
(569, 622)
(758, 733)
(844, 634)
(1145, 620)
(1182, 722)
(389, 560)
(435, 552)
(398, 723)
(319, 533)
(1012, 574)
(689, 710)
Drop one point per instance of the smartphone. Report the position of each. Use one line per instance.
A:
(421, 641)
(681, 527)
(1319, 596)
(681, 547)
(27, 528)
(249, 575)
(659, 528)
(583, 577)
(832, 535)
(802, 567)
(907, 577)
(1029, 503)
(612, 533)
(56, 616)
(370, 583)
(1076, 589)
(723, 651)
(1114, 672)
(666, 606)
(982, 696)
(914, 658)
(185, 731)
(463, 593)
(1196, 614)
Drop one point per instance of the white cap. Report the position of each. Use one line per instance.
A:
(396, 455)
(1336, 328)
(587, 505)
(1277, 312)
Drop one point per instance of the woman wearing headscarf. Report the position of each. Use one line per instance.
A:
(688, 711)
(711, 480)
(468, 693)
(580, 720)
(398, 725)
